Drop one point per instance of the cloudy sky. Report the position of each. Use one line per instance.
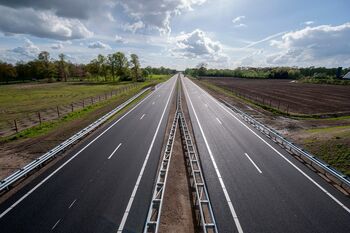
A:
(180, 33)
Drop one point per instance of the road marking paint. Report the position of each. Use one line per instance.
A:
(227, 197)
(257, 168)
(133, 194)
(142, 116)
(219, 121)
(274, 149)
(75, 155)
(70, 206)
(114, 151)
(59, 220)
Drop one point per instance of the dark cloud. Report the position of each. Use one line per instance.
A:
(80, 9)
(41, 24)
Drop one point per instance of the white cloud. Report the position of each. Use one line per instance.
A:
(110, 17)
(119, 39)
(157, 13)
(197, 44)
(238, 22)
(41, 24)
(134, 26)
(26, 52)
(327, 44)
(238, 19)
(98, 45)
(309, 22)
(241, 25)
(57, 46)
(252, 44)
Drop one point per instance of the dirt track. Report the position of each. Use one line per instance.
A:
(299, 98)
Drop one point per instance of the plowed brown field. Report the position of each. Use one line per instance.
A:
(290, 95)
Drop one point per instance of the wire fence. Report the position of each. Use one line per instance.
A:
(17, 125)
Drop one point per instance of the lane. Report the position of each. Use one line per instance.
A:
(91, 189)
(284, 197)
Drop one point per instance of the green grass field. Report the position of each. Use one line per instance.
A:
(18, 100)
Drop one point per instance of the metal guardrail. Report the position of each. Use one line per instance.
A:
(339, 178)
(6, 183)
(155, 209)
(203, 210)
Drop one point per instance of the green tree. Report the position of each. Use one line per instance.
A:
(103, 67)
(121, 66)
(135, 68)
(62, 67)
(111, 62)
(7, 72)
(45, 67)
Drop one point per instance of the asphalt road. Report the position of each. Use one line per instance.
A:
(105, 185)
(254, 185)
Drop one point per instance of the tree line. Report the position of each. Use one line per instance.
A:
(113, 67)
(270, 72)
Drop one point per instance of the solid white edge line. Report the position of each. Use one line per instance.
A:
(75, 155)
(269, 145)
(256, 166)
(218, 120)
(142, 116)
(227, 197)
(133, 194)
(114, 151)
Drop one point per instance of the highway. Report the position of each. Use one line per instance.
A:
(103, 185)
(254, 185)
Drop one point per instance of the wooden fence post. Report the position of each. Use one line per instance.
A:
(39, 116)
(58, 112)
(16, 127)
(83, 103)
(72, 107)
(92, 100)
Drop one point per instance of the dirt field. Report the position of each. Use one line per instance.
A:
(291, 96)
(327, 138)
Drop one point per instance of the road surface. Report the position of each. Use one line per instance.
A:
(105, 185)
(254, 185)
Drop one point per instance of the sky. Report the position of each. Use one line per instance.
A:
(180, 33)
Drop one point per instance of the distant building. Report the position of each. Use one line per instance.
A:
(347, 76)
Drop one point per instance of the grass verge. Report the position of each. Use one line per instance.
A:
(332, 145)
(50, 126)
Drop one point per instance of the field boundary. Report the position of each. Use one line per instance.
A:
(274, 106)
(7, 182)
(333, 176)
(32, 119)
